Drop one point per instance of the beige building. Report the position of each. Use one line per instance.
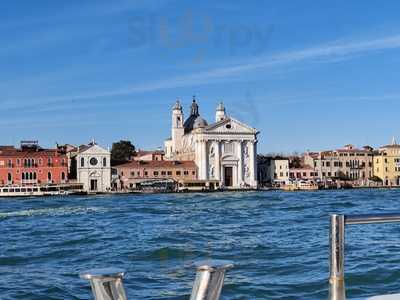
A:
(347, 163)
(304, 172)
(134, 172)
(387, 164)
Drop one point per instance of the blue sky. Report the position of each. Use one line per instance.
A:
(307, 74)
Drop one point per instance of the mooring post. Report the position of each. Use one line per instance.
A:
(106, 283)
(337, 289)
(210, 279)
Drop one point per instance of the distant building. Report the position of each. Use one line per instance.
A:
(273, 169)
(348, 163)
(32, 165)
(142, 155)
(304, 172)
(134, 172)
(94, 168)
(387, 164)
(225, 150)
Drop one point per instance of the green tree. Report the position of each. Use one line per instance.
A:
(376, 179)
(122, 151)
(295, 162)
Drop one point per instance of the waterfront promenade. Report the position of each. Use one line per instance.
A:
(278, 241)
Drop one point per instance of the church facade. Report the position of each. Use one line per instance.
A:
(225, 150)
(94, 168)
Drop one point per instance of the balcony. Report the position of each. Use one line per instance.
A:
(29, 182)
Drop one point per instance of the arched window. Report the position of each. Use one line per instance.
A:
(34, 176)
(49, 176)
(104, 162)
(23, 176)
(62, 176)
(82, 162)
(30, 176)
(9, 177)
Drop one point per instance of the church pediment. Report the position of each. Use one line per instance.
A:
(230, 126)
(95, 150)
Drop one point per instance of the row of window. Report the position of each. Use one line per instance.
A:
(158, 173)
(396, 160)
(355, 154)
(302, 174)
(93, 162)
(32, 176)
(396, 169)
(351, 163)
(32, 163)
(348, 175)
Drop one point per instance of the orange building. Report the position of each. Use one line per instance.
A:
(32, 165)
(138, 171)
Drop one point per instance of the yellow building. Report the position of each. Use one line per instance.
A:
(387, 164)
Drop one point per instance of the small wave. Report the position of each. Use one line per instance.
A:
(51, 212)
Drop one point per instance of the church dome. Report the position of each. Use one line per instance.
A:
(194, 121)
(199, 123)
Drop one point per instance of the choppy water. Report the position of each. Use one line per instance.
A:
(278, 241)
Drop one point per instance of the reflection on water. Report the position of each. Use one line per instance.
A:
(278, 241)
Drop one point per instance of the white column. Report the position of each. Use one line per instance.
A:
(253, 162)
(217, 158)
(239, 154)
(204, 159)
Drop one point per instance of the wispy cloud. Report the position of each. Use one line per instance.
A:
(322, 53)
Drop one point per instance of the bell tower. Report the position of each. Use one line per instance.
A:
(177, 126)
(220, 113)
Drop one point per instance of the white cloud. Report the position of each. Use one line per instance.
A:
(326, 53)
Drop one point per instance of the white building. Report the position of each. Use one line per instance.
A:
(94, 168)
(225, 150)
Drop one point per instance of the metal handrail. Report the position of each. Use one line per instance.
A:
(107, 283)
(337, 290)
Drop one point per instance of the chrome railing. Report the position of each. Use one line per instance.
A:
(210, 279)
(337, 290)
(107, 283)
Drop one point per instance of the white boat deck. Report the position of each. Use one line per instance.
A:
(386, 297)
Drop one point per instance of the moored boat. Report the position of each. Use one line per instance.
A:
(36, 190)
(302, 185)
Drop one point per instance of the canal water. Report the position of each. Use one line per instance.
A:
(278, 242)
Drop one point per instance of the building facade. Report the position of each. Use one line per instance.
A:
(32, 165)
(94, 168)
(225, 150)
(304, 172)
(272, 170)
(348, 163)
(387, 164)
(134, 172)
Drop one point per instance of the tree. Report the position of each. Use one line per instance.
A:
(295, 162)
(122, 151)
(376, 179)
(342, 176)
